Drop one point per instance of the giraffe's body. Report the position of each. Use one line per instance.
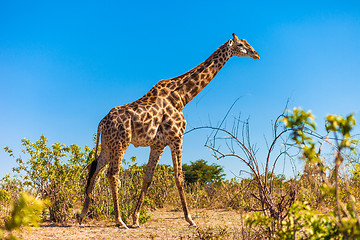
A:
(156, 120)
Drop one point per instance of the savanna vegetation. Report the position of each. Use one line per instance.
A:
(321, 201)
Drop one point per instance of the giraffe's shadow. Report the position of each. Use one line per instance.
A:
(48, 224)
(56, 225)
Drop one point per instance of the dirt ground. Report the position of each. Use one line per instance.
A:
(164, 224)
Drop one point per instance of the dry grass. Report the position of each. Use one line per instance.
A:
(164, 224)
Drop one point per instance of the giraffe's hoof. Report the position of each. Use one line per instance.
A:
(119, 225)
(79, 218)
(192, 225)
(135, 226)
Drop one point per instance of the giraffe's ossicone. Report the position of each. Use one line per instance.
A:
(155, 120)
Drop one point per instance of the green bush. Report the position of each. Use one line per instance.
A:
(10, 189)
(53, 173)
(25, 212)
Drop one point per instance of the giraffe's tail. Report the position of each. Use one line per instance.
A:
(97, 139)
(93, 165)
(88, 166)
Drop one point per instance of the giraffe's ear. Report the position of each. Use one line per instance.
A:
(235, 37)
(230, 42)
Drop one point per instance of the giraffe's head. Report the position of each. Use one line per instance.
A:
(241, 48)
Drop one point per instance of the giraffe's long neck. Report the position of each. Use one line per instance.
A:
(188, 85)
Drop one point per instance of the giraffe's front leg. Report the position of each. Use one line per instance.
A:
(176, 153)
(155, 154)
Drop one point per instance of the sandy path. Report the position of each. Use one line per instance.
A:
(162, 225)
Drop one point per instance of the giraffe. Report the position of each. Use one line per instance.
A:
(155, 120)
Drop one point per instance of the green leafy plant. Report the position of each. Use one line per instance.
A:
(25, 212)
(10, 189)
(53, 172)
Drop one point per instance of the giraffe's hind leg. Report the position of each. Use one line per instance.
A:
(94, 169)
(113, 178)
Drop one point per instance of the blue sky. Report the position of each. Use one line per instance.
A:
(64, 65)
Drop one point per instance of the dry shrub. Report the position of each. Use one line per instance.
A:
(211, 233)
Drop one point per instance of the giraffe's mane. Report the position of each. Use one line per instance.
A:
(196, 70)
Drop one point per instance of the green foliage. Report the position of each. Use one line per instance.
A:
(53, 172)
(307, 223)
(339, 125)
(356, 173)
(299, 121)
(302, 221)
(10, 189)
(25, 212)
(202, 172)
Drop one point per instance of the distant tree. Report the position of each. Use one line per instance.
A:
(202, 172)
